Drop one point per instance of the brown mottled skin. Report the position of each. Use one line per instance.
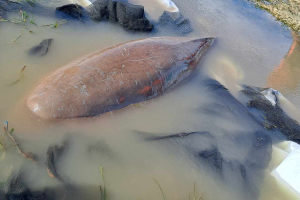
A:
(115, 77)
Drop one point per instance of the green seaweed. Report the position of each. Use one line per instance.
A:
(32, 22)
(24, 15)
(57, 24)
(24, 19)
(102, 190)
(11, 131)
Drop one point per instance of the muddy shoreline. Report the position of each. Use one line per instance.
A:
(286, 11)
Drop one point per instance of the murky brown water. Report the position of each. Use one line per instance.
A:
(249, 46)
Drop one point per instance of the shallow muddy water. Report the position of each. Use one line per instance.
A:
(249, 46)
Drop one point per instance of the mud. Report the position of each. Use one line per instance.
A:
(286, 11)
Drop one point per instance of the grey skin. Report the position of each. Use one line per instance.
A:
(116, 77)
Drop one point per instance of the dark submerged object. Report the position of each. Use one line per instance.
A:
(116, 77)
(73, 10)
(41, 49)
(131, 17)
(53, 155)
(215, 155)
(275, 117)
(204, 149)
(176, 21)
(16, 189)
(151, 137)
(208, 148)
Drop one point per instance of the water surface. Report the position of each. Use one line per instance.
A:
(250, 44)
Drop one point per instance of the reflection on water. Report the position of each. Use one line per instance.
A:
(286, 76)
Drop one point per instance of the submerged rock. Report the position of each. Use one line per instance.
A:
(41, 49)
(52, 156)
(73, 10)
(213, 154)
(16, 189)
(175, 21)
(116, 77)
(155, 8)
(265, 100)
(130, 16)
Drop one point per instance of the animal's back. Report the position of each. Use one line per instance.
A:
(108, 79)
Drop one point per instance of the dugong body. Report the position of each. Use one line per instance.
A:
(116, 77)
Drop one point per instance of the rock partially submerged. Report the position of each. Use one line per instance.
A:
(16, 189)
(53, 155)
(237, 157)
(116, 77)
(130, 16)
(41, 49)
(73, 10)
(175, 21)
(155, 8)
(274, 118)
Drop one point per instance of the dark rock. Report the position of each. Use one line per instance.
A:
(16, 189)
(261, 152)
(73, 10)
(52, 157)
(175, 21)
(215, 154)
(14, 186)
(274, 116)
(41, 49)
(130, 16)
(261, 140)
(216, 86)
(98, 10)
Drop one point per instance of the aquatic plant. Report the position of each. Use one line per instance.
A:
(28, 155)
(21, 32)
(1, 143)
(194, 196)
(3, 20)
(24, 15)
(1, 146)
(102, 190)
(24, 18)
(160, 189)
(104, 194)
(20, 77)
(57, 24)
